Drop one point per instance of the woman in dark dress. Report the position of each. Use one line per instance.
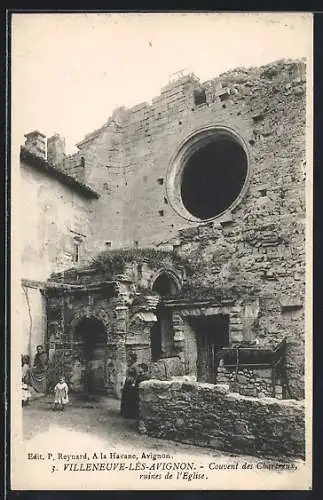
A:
(142, 375)
(129, 391)
(38, 374)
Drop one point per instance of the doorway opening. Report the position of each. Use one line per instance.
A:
(162, 333)
(91, 333)
(212, 333)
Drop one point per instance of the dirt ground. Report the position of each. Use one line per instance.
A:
(101, 420)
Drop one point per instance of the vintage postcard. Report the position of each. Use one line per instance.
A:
(161, 251)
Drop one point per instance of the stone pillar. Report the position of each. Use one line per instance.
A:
(35, 143)
(179, 338)
(121, 311)
(56, 150)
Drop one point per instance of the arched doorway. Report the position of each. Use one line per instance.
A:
(162, 334)
(90, 333)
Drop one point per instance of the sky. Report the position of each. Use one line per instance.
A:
(70, 71)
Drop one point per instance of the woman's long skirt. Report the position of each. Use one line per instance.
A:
(129, 404)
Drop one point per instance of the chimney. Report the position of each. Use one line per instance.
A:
(56, 150)
(35, 143)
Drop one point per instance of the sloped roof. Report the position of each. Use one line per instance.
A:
(42, 165)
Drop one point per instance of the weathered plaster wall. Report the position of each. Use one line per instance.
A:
(208, 415)
(32, 318)
(50, 215)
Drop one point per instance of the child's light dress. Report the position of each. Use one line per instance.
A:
(26, 396)
(61, 393)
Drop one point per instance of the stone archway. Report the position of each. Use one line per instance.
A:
(166, 283)
(94, 348)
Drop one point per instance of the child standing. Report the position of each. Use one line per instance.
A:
(26, 395)
(61, 394)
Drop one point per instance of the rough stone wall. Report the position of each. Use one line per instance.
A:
(268, 290)
(250, 382)
(208, 415)
(74, 165)
(106, 170)
(129, 156)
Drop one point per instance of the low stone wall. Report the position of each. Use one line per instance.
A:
(209, 415)
(250, 382)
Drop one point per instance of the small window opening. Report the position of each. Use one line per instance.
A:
(161, 213)
(135, 244)
(258, 118)
(76, 255)
(199, 97)
(160, 181)
(108, 244)
(82, 162)
(139, 270)
(263, 192)
(165, 201)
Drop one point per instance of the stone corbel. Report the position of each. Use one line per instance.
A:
(141, 323)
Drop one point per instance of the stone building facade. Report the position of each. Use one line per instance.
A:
(211, 178)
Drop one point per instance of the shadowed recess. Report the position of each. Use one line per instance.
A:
(213, 177)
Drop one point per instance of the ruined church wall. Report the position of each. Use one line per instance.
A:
(258, 249)
(267, 112)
